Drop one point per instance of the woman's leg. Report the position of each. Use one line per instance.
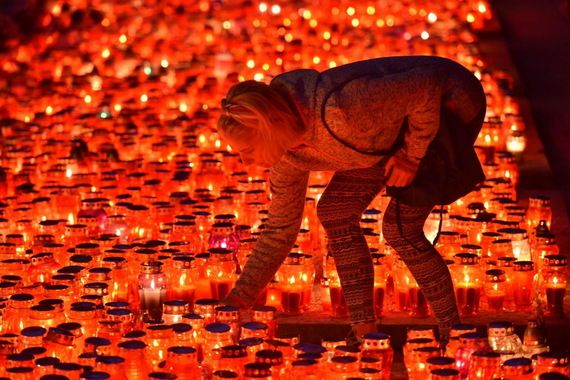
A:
(423, 260)
(340, 209)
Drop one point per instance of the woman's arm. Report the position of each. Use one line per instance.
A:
(288, 188)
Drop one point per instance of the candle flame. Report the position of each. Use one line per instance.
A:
(70, 218)
(68, 173)
(182, 279)
(152, 284)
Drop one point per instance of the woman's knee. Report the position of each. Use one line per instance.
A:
(390, 232)
(398, 231)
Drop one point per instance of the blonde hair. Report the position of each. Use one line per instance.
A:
(254, 111)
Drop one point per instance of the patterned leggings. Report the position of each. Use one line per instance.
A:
(340, 208)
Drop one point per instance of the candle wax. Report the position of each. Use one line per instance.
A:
(378, 301)
(555, 301)
(291, 302)
(495, 301)
(338, 303)
(418, 303)
(184, 295)
(151, 302)
(522, 296)
(468, 298)
(220, 289)
(402, 301)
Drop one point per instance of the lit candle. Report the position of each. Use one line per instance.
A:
(221, 272)
(523, 284)
(555, 292)
(468, 296)
(294, 280)
(338, 303)
(467, 281)
(495, 289)
(152, 290)
(418, 302)
(291, 296)
(183, 284)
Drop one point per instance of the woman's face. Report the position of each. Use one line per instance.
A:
(255, 151)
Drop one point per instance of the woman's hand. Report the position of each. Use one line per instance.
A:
(400, 171)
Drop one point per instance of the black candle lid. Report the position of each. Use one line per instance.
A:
(161, 375)
(33, 331)
(182, 350)
(310, 348)
(109, 359)
(133, 345)
(95, 375)
(225, 374)
(445, 372)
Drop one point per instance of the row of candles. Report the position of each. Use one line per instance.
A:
(122, 211)
(213, 343)
(488, 274)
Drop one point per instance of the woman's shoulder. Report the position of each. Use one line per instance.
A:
(300, 82)
(294, 76)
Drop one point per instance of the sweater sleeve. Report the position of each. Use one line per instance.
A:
(288, 187)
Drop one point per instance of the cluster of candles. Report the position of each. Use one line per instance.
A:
(124, 216)
(498, 353)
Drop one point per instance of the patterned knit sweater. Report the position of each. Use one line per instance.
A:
(366, 111)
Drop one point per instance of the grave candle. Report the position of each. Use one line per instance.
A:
(221, 272)
(468, 282)
(338, 304)
(523, 284)
(152, 289)
(495, 289)
(293, 280)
